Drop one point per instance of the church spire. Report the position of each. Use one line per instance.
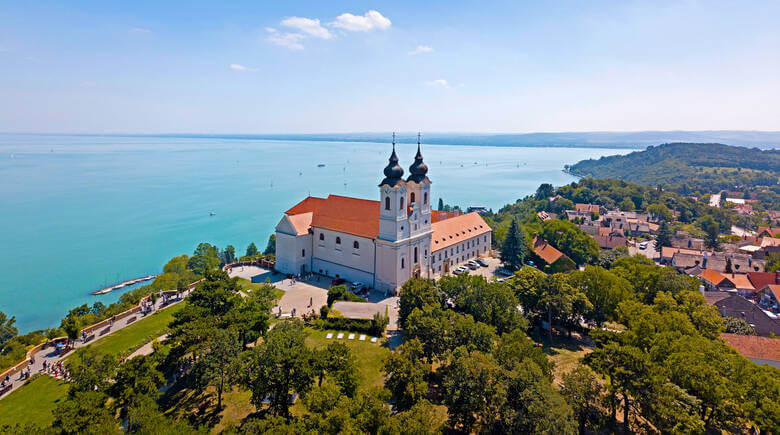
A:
(419, 169)
(393, 171)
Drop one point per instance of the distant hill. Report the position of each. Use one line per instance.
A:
(638, 139)
(687, 167)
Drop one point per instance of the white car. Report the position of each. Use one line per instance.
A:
(460, 270)
(357, 286)
(643, 245)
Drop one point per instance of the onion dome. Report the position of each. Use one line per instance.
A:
(393, 171)
(419, 169)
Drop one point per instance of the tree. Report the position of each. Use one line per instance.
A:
(582, 390)
(337, 361)
(270, 248)
(729, 268)
(278, 366)
(91, 370)
(570, 240)
(416, 293)
(712, 230)
(420, 419)
(514, 249)
(136, 378)
(544, 191)
(7, 330)
(441, 205)
(405, 375)
(772, 263)
(205, 258)
(627, 205)
(488, 302)
(85, 412)
(474, 390)
(557, 296)
(660, 211)
(251, 250)
(229, 254)
(603, 289)
(663, 237)
(217, 360)
(736, 325)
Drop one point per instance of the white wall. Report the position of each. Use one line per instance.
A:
(343, 259)
(290, 252)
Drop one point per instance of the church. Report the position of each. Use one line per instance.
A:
(384, 243)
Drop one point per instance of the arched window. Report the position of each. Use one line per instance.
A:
(425, 197)
(387, 203)
(402, 263)
(356, 245)
(415, 255)
(338, 240)
(411, 198)
(402, 204)
(322, 236)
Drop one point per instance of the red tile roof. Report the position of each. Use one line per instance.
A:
(587, 208)
(771, 232)
(712, 276)
(310, 204)
(457, 229)
(438, 215)
(341, 213)
(761, 279)
(546, 251)
(755, 347)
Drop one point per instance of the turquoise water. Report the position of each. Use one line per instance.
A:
(80, 212)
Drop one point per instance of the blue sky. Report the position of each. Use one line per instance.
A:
(296, 67)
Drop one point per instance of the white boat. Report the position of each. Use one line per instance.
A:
(213, 213)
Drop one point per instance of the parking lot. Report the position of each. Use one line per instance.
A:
(488, 272)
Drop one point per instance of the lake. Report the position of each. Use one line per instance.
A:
(82, 212)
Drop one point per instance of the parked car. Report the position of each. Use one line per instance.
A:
(473, 265)
(503, 272)
(482, 262)
(357, 286)
(643, 245)
(337, 281)
(460, 270)
(500, 280)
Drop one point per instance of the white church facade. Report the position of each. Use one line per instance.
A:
(380, 243)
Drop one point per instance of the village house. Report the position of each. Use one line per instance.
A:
(768, 232)
(555, 259)
(760, 350)
(736, 306)
(769, 297)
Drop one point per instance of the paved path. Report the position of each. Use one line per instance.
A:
(51, 357)
(147, 348)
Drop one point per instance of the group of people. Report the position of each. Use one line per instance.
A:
(303, 277)
(55, 369)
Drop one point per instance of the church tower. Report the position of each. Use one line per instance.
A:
(393, 202)
(404, 242)
(419, 196)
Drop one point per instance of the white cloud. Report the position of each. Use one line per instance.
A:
(288, 40)
(270, 30)
(140, 30)
(239, 67)
(439, 82)
(356, 23)
(308, 26)
(88, 84)
(421, 49)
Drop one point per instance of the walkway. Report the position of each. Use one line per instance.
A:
(49, 355)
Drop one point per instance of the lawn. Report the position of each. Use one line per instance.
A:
(144, 330)
(566, 353)
(370, 356)
(248, 286)
(33, 401)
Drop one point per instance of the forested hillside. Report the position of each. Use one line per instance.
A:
(689, 168)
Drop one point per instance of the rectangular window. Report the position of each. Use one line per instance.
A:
(303, 252)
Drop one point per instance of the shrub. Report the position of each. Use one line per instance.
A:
(340, 293)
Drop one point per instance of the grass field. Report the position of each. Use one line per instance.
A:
(248, 286)
(144, 330)
(33, 402)
(566, 353)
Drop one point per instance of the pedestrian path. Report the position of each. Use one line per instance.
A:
(51, 356)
